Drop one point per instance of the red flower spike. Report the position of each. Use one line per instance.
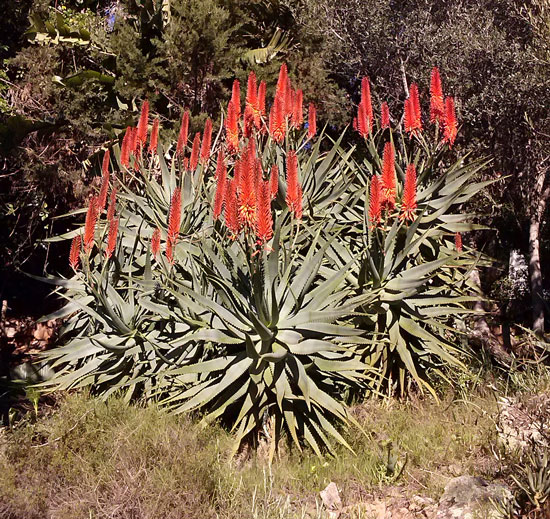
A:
(133, 141)
(415, 103)
(385, 115)
(231, 214)
(289, 100)
(111, 239)
(155, 242)
(74, 255)
(170, 251)
(451, 127)
(90, 223)
(232, 128)
(236, 98)
(362, 121)
(186, 163)
(282, 81)
(409, 117)
(102, 200)
(247, 188)
(436, 97)
(388, 177)
(312, 121)
(261, 98)
(293, 188)
(458, 242)
(252, 91)
(206, 141)
(194, 160)
(125, 148)
(375, 201)
(221, 175)
(274, 181)
(153, 143)
(182, 137)
(264, 219)
(277, 120)
(355, 124)
(106, 162)
(112, 205)
(143, 124)
(298, 110)
(174, 216)
(408, 203)
(367, 102)
(237, 173)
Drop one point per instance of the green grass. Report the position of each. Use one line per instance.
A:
(89, 459)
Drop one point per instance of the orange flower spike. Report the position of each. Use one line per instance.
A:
(206, 141)
(277, 120)
(155, 242)
(436, 97)
(312, 121)
(409, 117)
(125, 148)
(90, 223)
(133, 141)
(362, 121)
(143, 124)
(375, 201)
(74, 255)
(388, 177)
(236, 98)
(112, 205)
(415, 103)
(111, 239)
(289, 100)
(408, 203)
(451, 127)
(194, 160)
(366, 100)
(170, 252)
(231, 214)
(237, 173)
(174, 216)
(252, 98)
(221, 176)
(153, 143)
(261, 98)
(385, 115)
(247, 189)
(274, 181)
(293, 188)
(232, 128)
(104, 183)
(282, 81)
(182, 137)
(458, 242)
(298, 110)
(264, 218)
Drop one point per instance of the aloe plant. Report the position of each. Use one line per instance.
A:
(267, 284)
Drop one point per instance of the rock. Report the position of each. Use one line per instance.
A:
(524, 423)
(331, 500)
(468, 497)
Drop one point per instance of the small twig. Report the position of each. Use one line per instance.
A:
(65, 433)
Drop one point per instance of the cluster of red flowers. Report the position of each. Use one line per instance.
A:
(383, 190)
(245, 199)
(286, 111)
(442, 111)
(96, 206)
(135, 139)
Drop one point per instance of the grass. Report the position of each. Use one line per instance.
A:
(90, 459)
